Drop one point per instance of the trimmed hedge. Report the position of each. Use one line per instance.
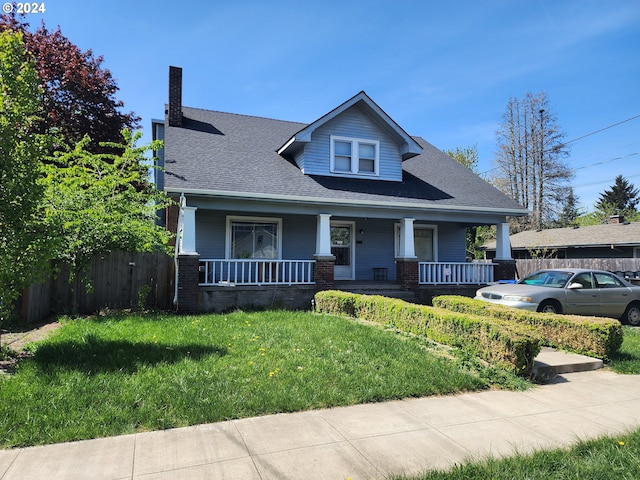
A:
(509, 345)
(593, 336)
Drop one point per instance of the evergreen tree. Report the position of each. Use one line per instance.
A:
(570, 211)
(620, 199)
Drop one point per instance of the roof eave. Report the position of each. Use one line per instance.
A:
(344, 202)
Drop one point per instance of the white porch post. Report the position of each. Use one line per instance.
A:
(323, 235)
(188, 237)
(407, 244)
(503, 244)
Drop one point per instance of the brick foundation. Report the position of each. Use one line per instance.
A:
(407, 273)
(188, 289)
(324, 272)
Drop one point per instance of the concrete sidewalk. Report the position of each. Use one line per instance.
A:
(361, 442)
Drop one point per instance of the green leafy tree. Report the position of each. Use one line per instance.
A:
(620, 199)
(465, 156)
(97, 203)
(78, 93)
(477, 235)
(23, 242)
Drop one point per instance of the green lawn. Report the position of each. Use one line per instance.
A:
(627, 359)
(122, 374)
(608, 458)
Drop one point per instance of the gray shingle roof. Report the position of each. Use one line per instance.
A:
(592, 236)
(224, 152)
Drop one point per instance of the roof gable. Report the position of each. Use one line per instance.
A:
(408, 146)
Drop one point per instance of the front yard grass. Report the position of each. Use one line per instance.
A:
(627, 359)
(119, 374)
(606, 458)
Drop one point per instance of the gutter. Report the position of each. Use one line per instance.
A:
(342, 202)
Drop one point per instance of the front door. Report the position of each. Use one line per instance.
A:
(342, 247)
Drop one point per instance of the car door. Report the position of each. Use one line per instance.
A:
(584, 300)
(614, 294)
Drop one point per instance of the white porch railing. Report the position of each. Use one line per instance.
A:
(448, 273)
(256, 272)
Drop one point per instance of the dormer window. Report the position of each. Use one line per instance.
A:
(353, 156)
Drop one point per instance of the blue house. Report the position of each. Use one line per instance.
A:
(271, 211)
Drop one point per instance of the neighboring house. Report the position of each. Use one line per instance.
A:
(618, 239)
(275, 210)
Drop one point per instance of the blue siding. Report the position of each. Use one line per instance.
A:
(376, 249)
(298, 237)
(352, 123)
(210, 233)
(451, 242)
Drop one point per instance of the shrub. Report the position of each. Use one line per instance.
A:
(593, 336)
(506, 344)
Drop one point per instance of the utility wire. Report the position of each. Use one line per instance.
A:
(602, 129)
(585, 136)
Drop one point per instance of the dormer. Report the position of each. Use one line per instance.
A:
(355, 140)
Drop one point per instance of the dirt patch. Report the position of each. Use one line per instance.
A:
(16, 340)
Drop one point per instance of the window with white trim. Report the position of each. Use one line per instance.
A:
(425, 238)
(353, 156)
(249, 237)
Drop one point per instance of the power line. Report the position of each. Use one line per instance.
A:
(585, 136)
(599, 182)
(606, 161)
(602, 129)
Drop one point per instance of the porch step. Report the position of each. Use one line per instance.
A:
(386, 289)
(551, 362)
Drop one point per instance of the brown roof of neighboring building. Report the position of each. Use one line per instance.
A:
(622, 234)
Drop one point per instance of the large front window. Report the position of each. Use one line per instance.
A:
(354, 156)
(253, 237)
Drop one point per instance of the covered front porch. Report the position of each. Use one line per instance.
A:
(269, 251)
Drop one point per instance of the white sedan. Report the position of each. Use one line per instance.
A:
(571, 291)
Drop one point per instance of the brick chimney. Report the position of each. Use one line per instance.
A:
(616, 219)
(175, 96)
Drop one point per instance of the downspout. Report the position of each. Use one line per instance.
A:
(179, 229)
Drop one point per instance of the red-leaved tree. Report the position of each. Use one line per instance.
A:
(79, 95)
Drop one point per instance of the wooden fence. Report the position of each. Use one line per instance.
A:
(525, 267)
(121, 280)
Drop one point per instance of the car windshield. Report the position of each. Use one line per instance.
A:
(547, 278)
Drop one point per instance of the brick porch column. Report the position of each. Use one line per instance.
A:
(188, 275)
(324, 272)
(504, 270)
(407, 273)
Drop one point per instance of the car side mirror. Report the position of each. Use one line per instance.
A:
(575, 285)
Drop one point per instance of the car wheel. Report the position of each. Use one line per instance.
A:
(550, 306)
(632, 315)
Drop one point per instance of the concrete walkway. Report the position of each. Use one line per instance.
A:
(368, 441)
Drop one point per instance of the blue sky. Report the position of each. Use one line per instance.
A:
(444, 70)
